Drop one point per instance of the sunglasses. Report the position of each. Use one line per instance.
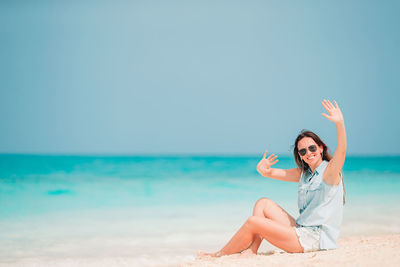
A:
(303, 151)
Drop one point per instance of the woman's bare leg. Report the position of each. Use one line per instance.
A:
(279, 235)
(266, 208)
(270, 222)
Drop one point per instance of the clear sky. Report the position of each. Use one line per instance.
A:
(196, 77)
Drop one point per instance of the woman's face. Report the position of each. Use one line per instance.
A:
(313, 159)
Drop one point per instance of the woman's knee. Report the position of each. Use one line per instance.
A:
(251, 222)
(262, 203)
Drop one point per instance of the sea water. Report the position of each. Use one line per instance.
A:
(159, 210)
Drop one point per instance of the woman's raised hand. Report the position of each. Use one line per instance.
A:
(335, 114)
(265, 163)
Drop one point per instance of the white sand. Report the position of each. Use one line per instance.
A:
(382, 250)
(378, 250)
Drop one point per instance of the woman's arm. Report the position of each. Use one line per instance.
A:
(264, 168)
(332, 171)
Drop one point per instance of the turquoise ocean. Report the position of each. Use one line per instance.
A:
(159, 210)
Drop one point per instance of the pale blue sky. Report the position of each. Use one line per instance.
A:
(196, 77)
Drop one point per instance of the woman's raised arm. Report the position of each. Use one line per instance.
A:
(332, 171)
(264, 168)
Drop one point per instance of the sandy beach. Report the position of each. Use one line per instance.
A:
(382, 250)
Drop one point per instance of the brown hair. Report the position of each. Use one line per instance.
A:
(325, 154)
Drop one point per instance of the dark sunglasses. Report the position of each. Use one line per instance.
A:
(303, 151)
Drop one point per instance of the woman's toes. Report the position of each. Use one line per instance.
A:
(206, 254)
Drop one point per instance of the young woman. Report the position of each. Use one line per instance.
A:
(320, 198)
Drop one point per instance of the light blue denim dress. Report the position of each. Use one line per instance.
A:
(321, 206)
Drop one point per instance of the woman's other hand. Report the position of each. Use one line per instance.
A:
(263, 167)
(335, 114)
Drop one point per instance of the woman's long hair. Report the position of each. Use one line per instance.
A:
(325, 154)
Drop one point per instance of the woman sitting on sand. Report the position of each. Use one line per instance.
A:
(320, 198)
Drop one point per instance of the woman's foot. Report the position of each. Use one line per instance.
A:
(206, 254)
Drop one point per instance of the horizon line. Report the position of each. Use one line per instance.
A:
(177, 154)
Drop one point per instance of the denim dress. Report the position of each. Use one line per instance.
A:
(320, 205)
